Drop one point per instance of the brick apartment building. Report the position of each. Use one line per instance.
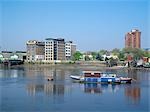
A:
(133, 39)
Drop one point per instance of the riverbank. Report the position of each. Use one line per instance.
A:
(77, 65)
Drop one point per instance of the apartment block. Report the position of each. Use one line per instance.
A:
(70, 49)
(54, 49)
(133, 39)
(35, 50)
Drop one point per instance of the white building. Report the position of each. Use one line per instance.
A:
(70, 49)
(49, 49)
(109, 56)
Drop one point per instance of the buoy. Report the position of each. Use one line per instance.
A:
(50, 79)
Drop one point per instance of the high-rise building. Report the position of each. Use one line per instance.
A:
(70, 49)
(54, 49)
(35, 50)
(133, 39)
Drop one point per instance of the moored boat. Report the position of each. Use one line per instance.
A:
(99, 77)
(75, 77)
(125, 80)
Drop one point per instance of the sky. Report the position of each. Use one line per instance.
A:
(91, 24)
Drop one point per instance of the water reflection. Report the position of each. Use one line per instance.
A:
(55, 87)
(12, 73)
(92, 88)
(48, 89)
(35, 83)
(100, 88)
(133, 93)
(60, 89)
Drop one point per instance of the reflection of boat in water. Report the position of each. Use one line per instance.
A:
(99, 77)
(99, 88)
(92, 88)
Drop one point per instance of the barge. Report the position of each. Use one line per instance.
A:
(99, 77)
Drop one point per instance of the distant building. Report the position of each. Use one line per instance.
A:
(22, 55)
(35, 50)
(147, 49)
(10, 55)
(133, 39)
(73, 49)
(51, 50)
(54, 49)
(104, 57)
(70, 49)
(146, 59)
(87, 56)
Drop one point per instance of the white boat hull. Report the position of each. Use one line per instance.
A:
(75, 77)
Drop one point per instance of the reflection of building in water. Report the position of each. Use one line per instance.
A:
(39, 83)
(48, 73)
(100, 88)
(32, 88)
(56, 87)
(48, 89)
(133, 93)
(13, 73)
(59, 75)
(33, 71)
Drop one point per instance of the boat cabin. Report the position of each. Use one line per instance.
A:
(92, 74)
(109, 75)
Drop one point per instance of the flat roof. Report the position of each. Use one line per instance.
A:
(7, 52)
(57, 39)
(21, 52)
(91, 72)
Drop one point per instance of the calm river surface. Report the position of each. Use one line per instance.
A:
(25, 88)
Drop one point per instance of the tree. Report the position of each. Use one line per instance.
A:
(137, 53)
(102, 52)
(94, 54)
(113, 62)
(146, 54)
(87, 58)
(99, 57)
(77, 56)
(121, 56)
(115, 51)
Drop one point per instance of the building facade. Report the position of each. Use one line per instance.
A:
(10, 55)
(133, 39)
(35, 50)
(54, 49)
(70, 49)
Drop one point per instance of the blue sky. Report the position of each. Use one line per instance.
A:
(92, 25)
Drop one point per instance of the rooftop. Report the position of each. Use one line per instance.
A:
(58, 39)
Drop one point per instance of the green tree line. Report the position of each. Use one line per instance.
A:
(121, 53)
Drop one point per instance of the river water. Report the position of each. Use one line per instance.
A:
(25, 88)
